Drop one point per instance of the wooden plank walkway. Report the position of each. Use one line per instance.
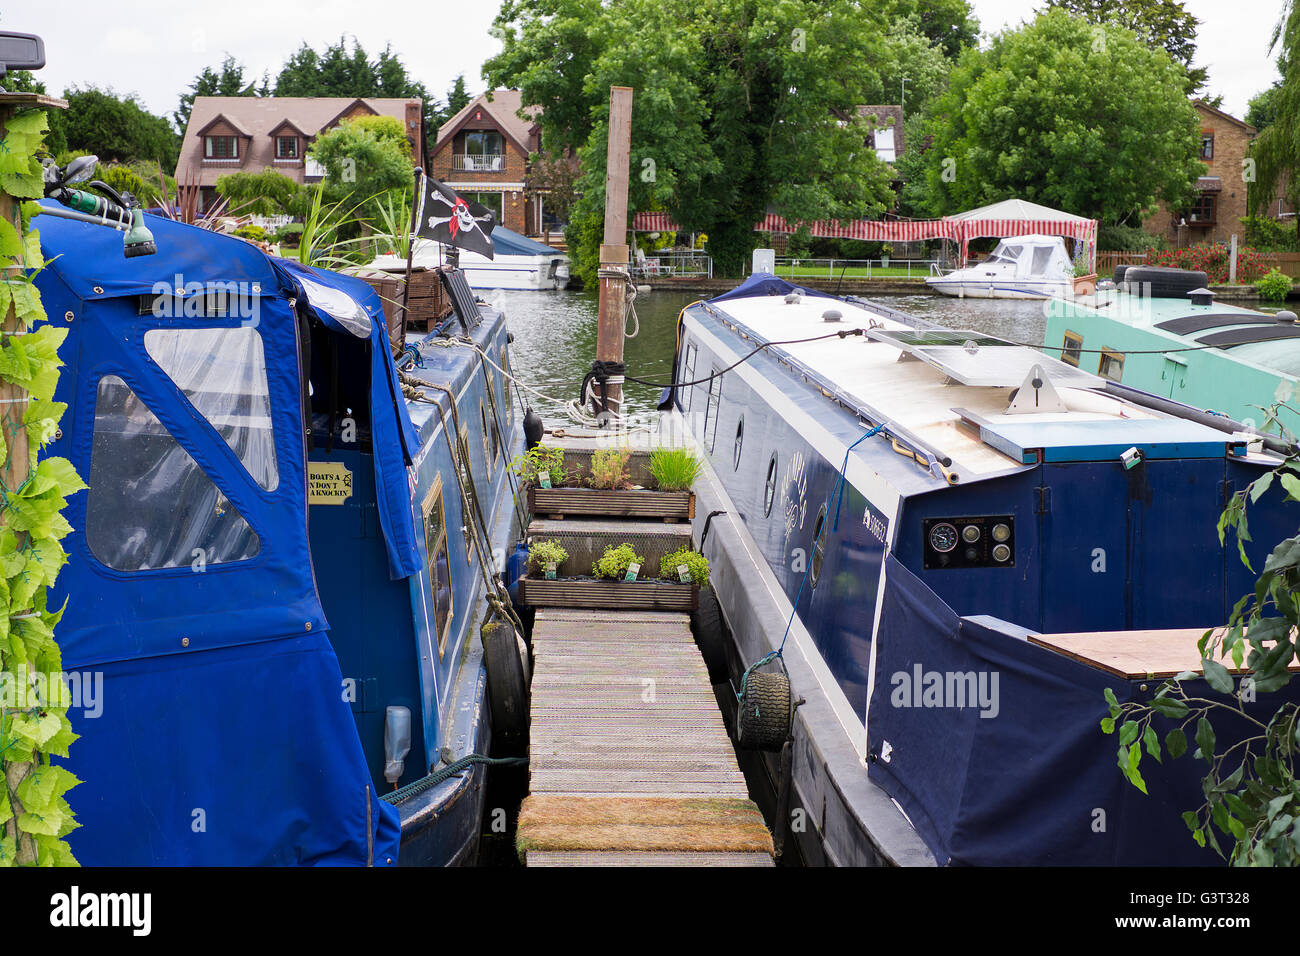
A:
(630, 762)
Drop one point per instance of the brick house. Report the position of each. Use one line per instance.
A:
(247, 134)
(483, 153)
(1221, 193)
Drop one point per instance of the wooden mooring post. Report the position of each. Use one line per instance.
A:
(614, 251)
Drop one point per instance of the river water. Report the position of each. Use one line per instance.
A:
(555, 338)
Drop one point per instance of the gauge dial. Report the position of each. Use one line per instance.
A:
(1001, 532)
(1001, 553)
(943, 537)
(970, 534)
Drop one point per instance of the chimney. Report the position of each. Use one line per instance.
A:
(415, 130)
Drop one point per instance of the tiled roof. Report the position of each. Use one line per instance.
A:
(503, 108)
(257, 117)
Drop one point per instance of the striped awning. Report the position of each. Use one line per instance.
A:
(881, 230)
(654, 222)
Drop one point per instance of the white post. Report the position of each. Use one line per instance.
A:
(1232, 261)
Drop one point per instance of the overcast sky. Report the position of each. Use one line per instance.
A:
(155, 47)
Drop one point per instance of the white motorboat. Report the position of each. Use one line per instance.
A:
(1024, 267)
(520, 263)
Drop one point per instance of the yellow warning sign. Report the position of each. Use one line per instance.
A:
(328, 483)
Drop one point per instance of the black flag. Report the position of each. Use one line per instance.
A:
(445, 217)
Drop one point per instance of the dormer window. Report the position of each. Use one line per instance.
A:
(220, 147)
(286, 147)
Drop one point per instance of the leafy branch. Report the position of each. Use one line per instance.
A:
(1251, 794)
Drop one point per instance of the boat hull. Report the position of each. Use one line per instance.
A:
(1003, 289)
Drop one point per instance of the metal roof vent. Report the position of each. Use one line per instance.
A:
(1201, 297)
(1285, 317)
(832, 315)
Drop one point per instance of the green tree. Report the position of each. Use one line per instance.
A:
(1054, 112)
(267, 193)
(1276, 150)
(1262, 109)
(1162, 23)
(228, 80)
(340, 71)
(740, 106)
(115, 128)
(948, 24)
(457, 99)
(364, 161)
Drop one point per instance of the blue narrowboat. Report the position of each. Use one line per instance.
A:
(940, 532)
(279, 571)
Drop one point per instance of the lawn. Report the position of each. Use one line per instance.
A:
(852, 272)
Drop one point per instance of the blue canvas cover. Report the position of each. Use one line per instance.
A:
(507, 242)
(394, 437)
(1036, 781)
(764, 283)
(220, 736)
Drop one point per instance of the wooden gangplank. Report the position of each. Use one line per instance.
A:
(630, 762)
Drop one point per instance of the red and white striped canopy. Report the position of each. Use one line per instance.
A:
(1003, 220)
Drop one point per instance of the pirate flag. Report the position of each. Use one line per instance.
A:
(444, 217)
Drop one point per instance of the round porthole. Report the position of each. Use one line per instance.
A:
(769, 492)
(819, 546)
(740, 439)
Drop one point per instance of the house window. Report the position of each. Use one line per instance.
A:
(484, 150)
(1111, 365)
(493, 201)
(435, 548)
(1207, 146)
(220, 147)
(286, 147)
(1073, 349)
(1203, 209)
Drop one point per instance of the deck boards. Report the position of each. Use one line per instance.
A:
(631, 764)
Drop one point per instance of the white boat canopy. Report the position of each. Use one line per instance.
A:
(1034, 256)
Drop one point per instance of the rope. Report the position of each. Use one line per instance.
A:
(837, 495)
(446, 773)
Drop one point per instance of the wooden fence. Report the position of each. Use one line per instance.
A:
(1288, 262)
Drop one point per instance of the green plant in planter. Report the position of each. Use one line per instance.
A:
(609, 468)
(543, 554)
(697, 566)
(614, 563)
(1274, 286)
(674, 469)
(541, 459)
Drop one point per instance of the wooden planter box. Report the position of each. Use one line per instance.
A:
(670, 505)
(651, 595)
(1085, 285)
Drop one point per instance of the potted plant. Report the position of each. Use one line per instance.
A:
(617, 581)
(609, 486)
(885, 252)
(545, 558)
(1085, 281)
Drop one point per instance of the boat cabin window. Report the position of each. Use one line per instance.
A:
(711, 412)
(688, 375)
(1073, 348)
(819, 548)
(435, 549)
(1042, 259)
(465, 466)
(1111, 365)
(223, 374)
(150, 505)
(740, 441)
(340, 389)
(505, 383)
(769, 490)
(488, 457)
(492, 422)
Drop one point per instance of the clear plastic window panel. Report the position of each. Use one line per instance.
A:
(223, 374)
(150, 505)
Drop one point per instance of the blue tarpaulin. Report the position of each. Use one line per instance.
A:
(221, 735)
(764, 283)
(1035, 781)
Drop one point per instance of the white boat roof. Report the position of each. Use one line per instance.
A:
(920, 382)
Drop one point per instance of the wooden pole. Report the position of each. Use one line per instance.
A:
(410, 241)
(613, 252)
(15, 470)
